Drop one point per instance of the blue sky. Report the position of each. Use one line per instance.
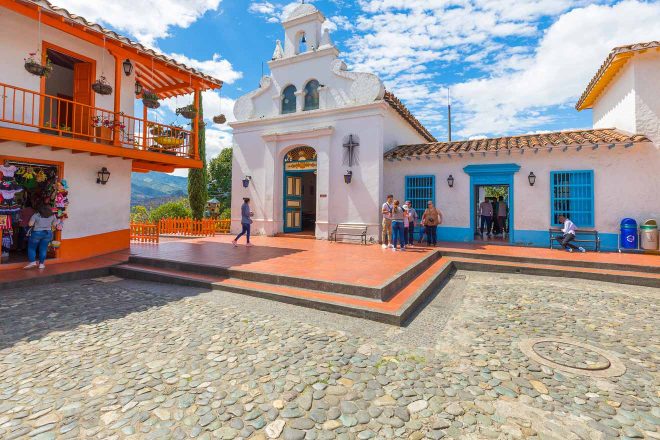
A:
(512, 66)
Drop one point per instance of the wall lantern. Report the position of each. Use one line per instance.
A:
(532, 179)
(348, 177)
(128, 67)
(246, 181)
(450, 181)
(104, 176)
(138, 88)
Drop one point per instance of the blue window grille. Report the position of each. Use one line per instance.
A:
(419, 190)
(572, 195)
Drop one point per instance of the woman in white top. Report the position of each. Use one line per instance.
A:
(42, 224)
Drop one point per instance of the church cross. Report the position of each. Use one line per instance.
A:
(350, 147)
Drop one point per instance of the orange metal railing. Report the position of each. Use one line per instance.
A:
(223, 226)
(62, 117)
(144, 233)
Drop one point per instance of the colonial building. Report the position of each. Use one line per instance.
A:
(317, 145)
(70, 133)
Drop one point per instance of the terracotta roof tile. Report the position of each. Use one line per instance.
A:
(402, 110)
(528, 142)
(616, 53)
(48, 7)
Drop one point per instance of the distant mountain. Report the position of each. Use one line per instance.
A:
(156, 188)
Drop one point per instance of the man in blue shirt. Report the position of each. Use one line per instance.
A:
(246, 221)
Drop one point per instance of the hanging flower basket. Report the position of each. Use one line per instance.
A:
(150, 99)
(168, 142)
(101, 86)
(36, 68)
(220, 119)
(188, 112)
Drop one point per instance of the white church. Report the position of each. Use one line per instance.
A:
(317, 145)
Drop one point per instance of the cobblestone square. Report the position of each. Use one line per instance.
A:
(491, 356)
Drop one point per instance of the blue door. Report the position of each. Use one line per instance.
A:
(292, 202)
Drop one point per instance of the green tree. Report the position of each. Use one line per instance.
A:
(197, 178)
(139, 214)
(179, 208)
(220, 177)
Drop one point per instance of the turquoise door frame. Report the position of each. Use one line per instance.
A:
(493, 174)
(285, 208)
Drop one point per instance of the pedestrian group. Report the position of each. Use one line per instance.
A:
(399, 222)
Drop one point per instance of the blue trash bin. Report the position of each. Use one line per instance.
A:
(628, 234)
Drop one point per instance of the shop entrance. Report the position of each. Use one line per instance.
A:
(491, 199)
(300, 190)
(25, 185)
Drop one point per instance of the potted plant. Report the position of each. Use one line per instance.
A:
(188, 112)
(101, 86)
(35, 67)
(169, 138)
(150, 99)
(220, 119)
(104, 128)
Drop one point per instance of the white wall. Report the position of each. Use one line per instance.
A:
(615, 107)
(18, 38)
(93, 209)
(647, 102)
(626, 184)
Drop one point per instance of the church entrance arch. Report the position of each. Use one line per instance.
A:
(300, 190)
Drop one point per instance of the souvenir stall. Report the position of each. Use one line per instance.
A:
(23, 187)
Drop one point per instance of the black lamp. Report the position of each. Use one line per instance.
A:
(103, 176)
(128, 67)
(450, 181)
(246, 181)
(138, 88)
(532, 179)
(304, 40)
(348, 177)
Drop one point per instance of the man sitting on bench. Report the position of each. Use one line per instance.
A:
(569, 235)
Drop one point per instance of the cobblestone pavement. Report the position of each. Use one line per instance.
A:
(126, 359)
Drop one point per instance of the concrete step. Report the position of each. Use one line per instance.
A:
(383, 292)
(396, 311)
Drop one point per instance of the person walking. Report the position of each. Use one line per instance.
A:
(413, 219)
(569, 235)
(431, 218)
(398, 216)
(246, 222)
(42, 224)
(486, 213)
(502, 213)
(386, 210)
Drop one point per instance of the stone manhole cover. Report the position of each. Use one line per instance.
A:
(573, 357)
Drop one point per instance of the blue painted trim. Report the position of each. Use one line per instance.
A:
(552, 196)
(452, 233)
(493, 174)
(284, 199)
(408, 187)
(496, 168)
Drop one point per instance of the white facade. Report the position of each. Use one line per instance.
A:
(625, 173)
(350, 103)
(631, 101)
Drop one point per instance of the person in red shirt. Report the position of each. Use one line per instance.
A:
(24, 215)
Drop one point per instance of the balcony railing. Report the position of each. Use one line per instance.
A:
(62, 117)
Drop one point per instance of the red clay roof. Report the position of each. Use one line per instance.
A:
(609, 64)
(48, 8)
(402, 110)
(603, 136)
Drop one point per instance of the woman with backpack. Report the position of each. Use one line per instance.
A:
(431, 218)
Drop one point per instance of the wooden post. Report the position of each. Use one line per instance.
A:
(196, 125)
(144, 127)
(116, 141)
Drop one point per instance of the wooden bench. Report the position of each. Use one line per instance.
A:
(350, 230)
(581, 236)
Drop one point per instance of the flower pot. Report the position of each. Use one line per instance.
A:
(220, 119)
(188, 114)
(150, 103)
(168, 142)
(103, 135)
(37, 69)
(102, 88)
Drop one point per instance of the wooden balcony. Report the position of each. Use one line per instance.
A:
(38, 119)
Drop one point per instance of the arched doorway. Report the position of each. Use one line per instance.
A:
(300, 190)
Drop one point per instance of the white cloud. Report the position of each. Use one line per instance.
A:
(273, 12)
(567, 57)
(145, 20)
(213, 104)
(217, 67)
